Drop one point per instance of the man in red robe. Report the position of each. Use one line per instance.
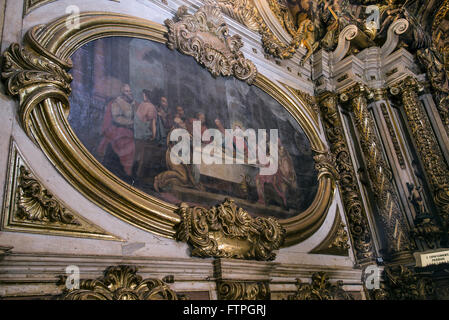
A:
(117, 129)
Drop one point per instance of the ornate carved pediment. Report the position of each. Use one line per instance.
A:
(121, 283)
(205, 36)
(320, 289)
(227, 231)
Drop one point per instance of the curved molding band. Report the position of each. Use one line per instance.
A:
(44, 108)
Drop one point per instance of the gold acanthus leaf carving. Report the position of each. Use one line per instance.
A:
(121, 283)
(341, 238)
(243, 290)
(205, 36)
(325, 163)
(228, 231)
(320, 289)
(33, 78)
(35, 203)
(23, 68)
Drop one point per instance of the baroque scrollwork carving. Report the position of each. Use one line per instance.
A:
(336, 243)
(245, 12)
(228, 231)
(352, 200)
(427, 145)
(35, 203)
(325, 163)
(320, 289)
(121, 283)
(401, 283)
(379, 173)
(205, 36)
(243, 290)
(31, 207)
(33, 78)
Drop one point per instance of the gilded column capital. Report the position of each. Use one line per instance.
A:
(407, 85)
(380, 94)
(358, 90)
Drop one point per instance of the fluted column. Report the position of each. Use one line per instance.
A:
(392, 219)
(429, 151)
(352, 200)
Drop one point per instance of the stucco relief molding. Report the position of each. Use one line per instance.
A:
(204, 35)
(228, 231)
(30, 207)
(121, 283)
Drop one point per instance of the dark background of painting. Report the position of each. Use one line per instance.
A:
(102, 66)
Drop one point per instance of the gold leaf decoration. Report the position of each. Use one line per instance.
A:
(243, 290)
(227, 231)
(121, 283)
(352, 199)
(336, 242)
(320, 289)
(428, 149)
(30, 207)
(205, 36)
(35, 203)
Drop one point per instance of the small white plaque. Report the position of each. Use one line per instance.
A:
(424, 259)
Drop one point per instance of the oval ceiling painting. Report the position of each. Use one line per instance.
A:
(160, 122)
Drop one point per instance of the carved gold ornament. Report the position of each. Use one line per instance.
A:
(35, 203)
(243, 290)
(336, 242)
(30, 207)
(385, 194)
(246, 13)
(37, 74)
(352, 199)
(228, 231)
(402, 283)
(320, 289)
(427, 146)
(121, 283)
(205, 36)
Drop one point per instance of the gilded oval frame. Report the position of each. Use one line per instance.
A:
(44, 109)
